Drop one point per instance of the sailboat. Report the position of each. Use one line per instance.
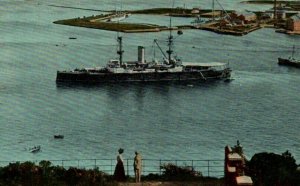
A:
(290, 61)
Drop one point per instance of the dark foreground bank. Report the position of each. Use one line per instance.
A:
(264, 168)
(44, 173)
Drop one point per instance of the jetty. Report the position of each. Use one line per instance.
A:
(229, 29)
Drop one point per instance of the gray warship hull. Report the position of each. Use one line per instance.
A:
(102, 77)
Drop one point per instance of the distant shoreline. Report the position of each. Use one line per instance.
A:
(270, 2)
(71, 7)
(104, 22)
(111, 20)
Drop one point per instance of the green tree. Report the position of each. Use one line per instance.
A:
(273, 169)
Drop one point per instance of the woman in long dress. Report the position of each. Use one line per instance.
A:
(119, 173)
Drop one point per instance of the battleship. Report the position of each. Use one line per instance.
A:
(170, 68)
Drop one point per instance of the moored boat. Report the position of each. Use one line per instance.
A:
(58, 136)
(35, 149)
(291, 61)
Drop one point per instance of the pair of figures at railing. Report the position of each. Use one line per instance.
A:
(119, 173)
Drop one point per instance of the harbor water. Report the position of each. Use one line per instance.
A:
(260, 107)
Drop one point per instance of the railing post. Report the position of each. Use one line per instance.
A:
(208, 168)
(62, 163)
(95, 164)
(160, 167)
(193, 165)
(127, 168)
(111, 167)
(78, 164)
(143, 167)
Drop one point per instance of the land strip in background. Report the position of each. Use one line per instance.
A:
(216, 20)
(103, 21)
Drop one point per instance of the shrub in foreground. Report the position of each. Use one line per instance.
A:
(28, 173)
(273, 169)
(178, 173)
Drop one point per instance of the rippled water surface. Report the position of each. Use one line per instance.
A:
(174, 121)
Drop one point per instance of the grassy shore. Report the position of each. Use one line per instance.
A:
(122, 27)
(270, 2)
(183, 12)
(101, 22)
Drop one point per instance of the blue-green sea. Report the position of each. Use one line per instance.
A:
(260, 107)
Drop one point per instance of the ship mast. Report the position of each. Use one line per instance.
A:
(120, 44)
(275, 10)
(170, 43)
(213, 10)
(120, 50)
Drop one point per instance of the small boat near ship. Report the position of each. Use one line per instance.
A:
(170, 68)
(58, 136)
(35, 149)
(290, 61)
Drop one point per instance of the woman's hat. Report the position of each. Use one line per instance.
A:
(121, 150)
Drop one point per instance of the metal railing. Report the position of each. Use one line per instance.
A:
(213, 168)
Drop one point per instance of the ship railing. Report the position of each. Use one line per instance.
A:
(209, 168)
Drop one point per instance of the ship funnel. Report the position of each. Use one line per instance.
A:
(141, 54)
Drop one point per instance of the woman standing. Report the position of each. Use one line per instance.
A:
(119, 173)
